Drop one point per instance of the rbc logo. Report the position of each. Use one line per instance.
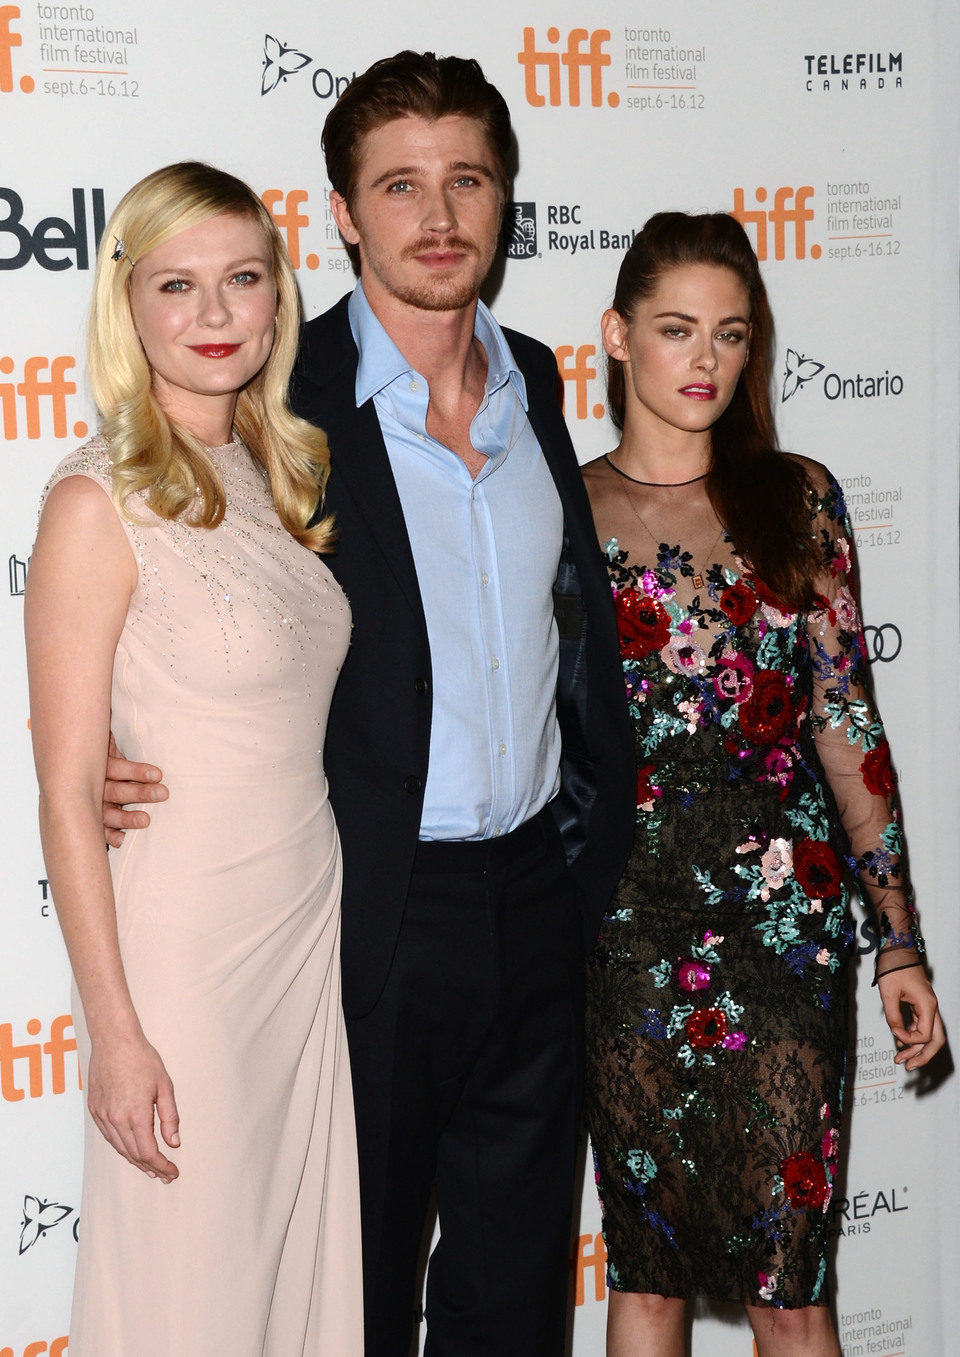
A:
(789, 210)
(9, 39)
(520, 231)
(575, 59)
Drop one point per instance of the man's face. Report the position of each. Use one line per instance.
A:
(426, 212)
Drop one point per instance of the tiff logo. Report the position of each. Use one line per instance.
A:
(591, 1254)
(285, 208)
(575, 59)
(38, 392)
(789, 210)
(31, 1053)
(9, 39)
(582, 372)
(57, 1348)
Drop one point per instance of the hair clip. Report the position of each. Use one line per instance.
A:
(119, 250)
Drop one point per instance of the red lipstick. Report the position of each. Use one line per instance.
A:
(214, 350)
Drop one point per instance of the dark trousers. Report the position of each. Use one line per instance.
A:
(467, 1075)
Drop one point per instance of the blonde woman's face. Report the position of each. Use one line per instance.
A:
(204, 305)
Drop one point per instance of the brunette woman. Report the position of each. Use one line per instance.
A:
(718, 1017)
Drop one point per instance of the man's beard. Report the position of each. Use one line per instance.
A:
(434, 292)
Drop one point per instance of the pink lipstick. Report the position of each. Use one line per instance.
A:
(700, 391)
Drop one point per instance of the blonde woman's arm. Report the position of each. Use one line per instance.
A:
(82, 575)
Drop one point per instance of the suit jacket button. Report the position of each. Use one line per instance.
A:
(412, 785)
(420, 685)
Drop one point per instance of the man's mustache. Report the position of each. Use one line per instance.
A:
(430, 245)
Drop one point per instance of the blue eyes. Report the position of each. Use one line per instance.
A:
(180, 285)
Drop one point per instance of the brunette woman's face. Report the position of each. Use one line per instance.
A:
(684, 348)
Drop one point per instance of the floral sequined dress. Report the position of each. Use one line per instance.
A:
(228, 910)
(718, 992)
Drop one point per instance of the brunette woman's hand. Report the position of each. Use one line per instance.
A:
(919, 1041)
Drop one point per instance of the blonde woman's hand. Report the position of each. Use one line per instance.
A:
(127, 1085)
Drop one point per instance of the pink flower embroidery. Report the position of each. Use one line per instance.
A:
(692, 975)
(684, 656)
(776, 865)
(734, 678)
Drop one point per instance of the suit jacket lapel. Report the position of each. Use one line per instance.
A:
(359, 464)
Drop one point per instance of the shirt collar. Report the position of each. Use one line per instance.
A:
(381, 362)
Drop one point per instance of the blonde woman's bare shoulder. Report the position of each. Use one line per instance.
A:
(91, 460)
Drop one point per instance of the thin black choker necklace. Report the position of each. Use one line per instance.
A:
(656, 485)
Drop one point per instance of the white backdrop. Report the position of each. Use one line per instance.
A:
(833, 132)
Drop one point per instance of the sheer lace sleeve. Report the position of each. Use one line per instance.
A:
(850, 739)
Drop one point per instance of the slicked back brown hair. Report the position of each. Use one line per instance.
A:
(760, 496)
(413, 84)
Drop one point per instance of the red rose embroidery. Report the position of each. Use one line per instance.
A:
(877, 770)
(739, 602)
(706, 1027)
(805, 1181)
(768, 713)
(645, 791)
(643, 624)
(816, 868)
(767, 596)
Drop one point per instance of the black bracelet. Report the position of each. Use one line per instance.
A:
(907, 966)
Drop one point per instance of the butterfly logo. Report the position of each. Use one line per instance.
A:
(799, 371)
(38, 1218)
(279, 62)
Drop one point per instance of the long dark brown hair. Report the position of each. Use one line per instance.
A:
(760, 496)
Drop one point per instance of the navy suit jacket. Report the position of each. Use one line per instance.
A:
(378, 737)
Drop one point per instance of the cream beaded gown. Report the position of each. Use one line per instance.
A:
(229, 918)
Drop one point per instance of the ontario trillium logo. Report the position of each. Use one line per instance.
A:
(279, 62)
(38, 1218)
(799, 371)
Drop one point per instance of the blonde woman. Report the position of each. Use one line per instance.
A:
(174, 594)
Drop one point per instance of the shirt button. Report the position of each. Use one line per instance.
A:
(502, 747)
(484, 578)
(420, 685)
(414, 386)
(413, 785)
(495, 663)
(496, 833)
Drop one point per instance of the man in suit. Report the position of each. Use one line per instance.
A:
(478, 752)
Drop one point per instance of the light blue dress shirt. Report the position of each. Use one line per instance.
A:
(486, 552)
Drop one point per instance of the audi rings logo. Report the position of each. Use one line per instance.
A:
(883, 643)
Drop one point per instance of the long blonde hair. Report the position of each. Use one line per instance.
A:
(152, 454)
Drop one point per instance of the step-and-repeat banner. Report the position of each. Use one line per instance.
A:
(832, 132)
